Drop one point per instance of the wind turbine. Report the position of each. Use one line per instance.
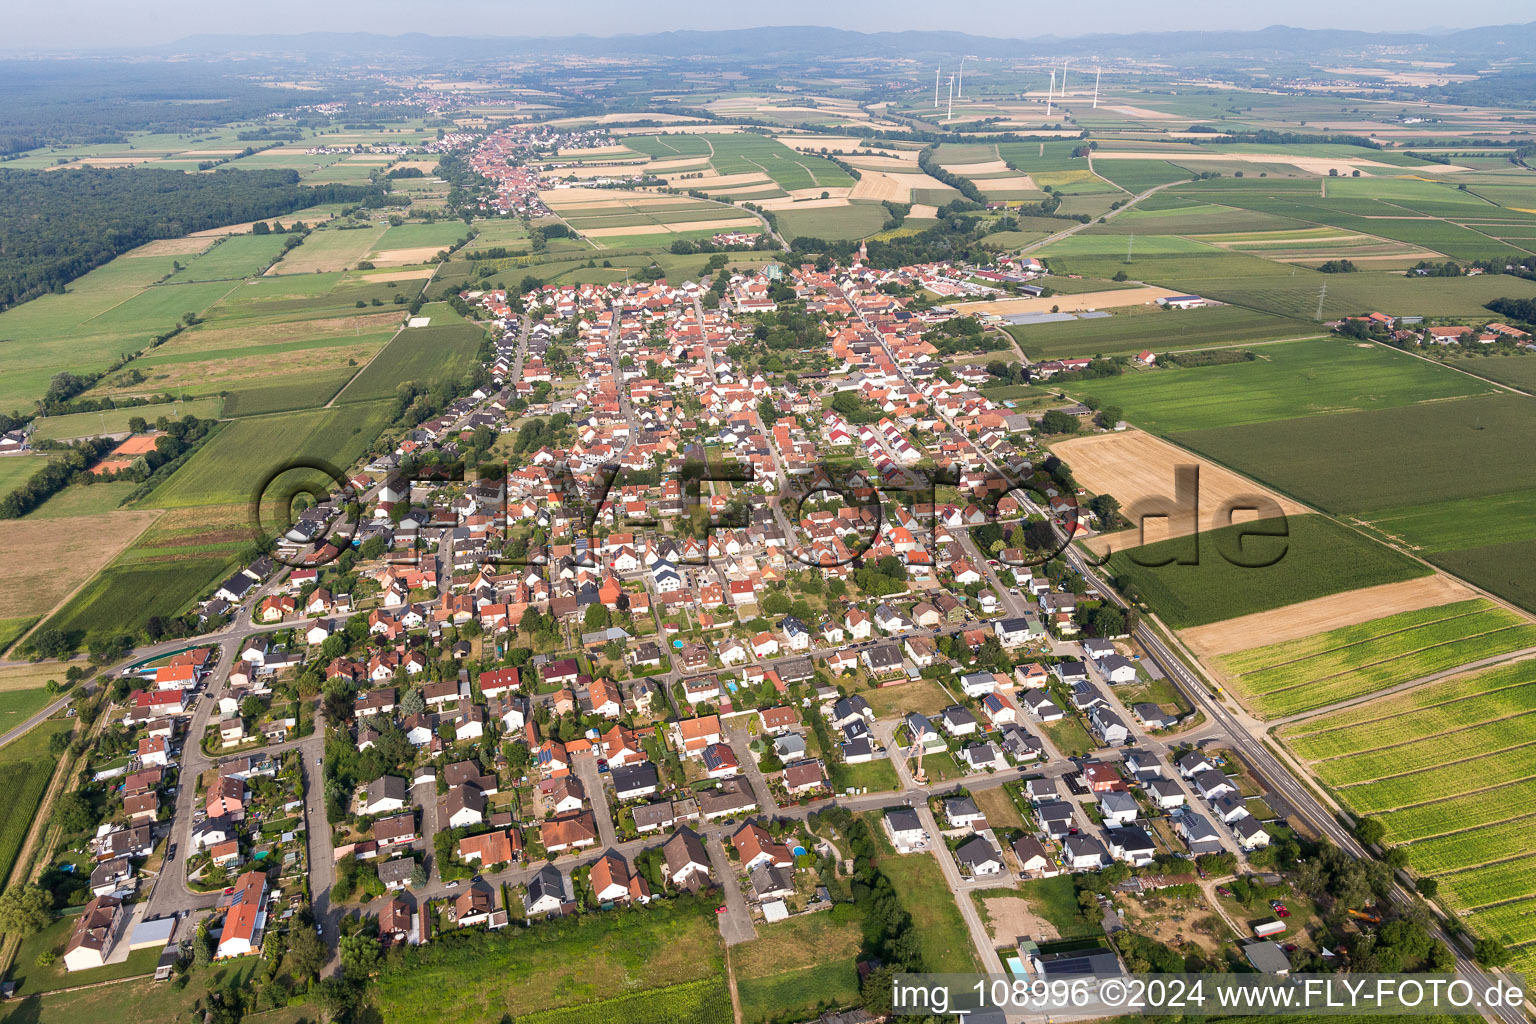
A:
(1064, 62)
(960, 86)
(936, 70)
(1048, 91)
(950, 116)
(1096, 73)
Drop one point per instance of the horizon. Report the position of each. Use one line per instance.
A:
(91, 26)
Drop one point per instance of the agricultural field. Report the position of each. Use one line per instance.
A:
(1303, 378)
(228, 467)
(429, 355)
(1131, 329)
(121, 599)
(1139, 175)
(233, 258)
(1348, 663)
(115, 421)
(799, 967)
(612, 217)
(745, 152)
(77, 548)
(1447, 768)
(1314, 557)
(665, 964)
(16, 470)
(858, 220)
(329, 249)
(1431, 477)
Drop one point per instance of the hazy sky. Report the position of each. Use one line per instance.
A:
(68, 24)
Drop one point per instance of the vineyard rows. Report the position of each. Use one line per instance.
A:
(1434, 695)
(1470, 849)
(1411, 726)
(1431, 752)
(1404, 790)
(1514, 922)
(1395, 645)
(1258, 658)
(1496, 883)
(1458, 813)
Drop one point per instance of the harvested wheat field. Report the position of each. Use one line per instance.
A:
(77, 547)
(1011, 183)
(687, 225)
(1138, 469)
(923, 210)
(879, 186)
(311, 218)
(881, 163)
(791, 203)
(1321, 614)
(1069, 303)
(172, 247)
(405, 257)
(980, 167)
(564, 198)
(725, 181)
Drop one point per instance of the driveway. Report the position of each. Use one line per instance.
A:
(736, 923)
(585, 767)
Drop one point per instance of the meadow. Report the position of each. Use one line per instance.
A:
(1315, 558)
(115, 421)
(858, 220)
(920, 885)
(233, 258)
(604, 967)
(1347, 663)
(1301, 378)
(797, 968)
(1139, 175)
(1447, 768)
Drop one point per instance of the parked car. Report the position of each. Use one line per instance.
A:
(720, 909)
(1279, 908)
(170, 853)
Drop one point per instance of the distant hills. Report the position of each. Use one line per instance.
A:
(1483, 44)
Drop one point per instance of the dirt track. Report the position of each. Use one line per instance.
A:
(1324, 613)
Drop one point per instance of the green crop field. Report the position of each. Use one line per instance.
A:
(229, 467)
(234, 258)
(857, 221)
(1302, 378)
(24, 782)
(744, 153)
(1139, 175)
(287, 393)
(663, 964)
(427, 355)
(1317, 557)
(15, 470)
(1395, 457)
(668, 147)
(415, 236)
(1134, 328)
(120, 599)
(1448, 769)
(1398, 649)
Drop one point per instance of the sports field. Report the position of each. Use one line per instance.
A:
(1314, 558)
(1303, 378)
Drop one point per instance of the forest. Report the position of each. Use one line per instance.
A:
(74, 102)
(58, 225)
